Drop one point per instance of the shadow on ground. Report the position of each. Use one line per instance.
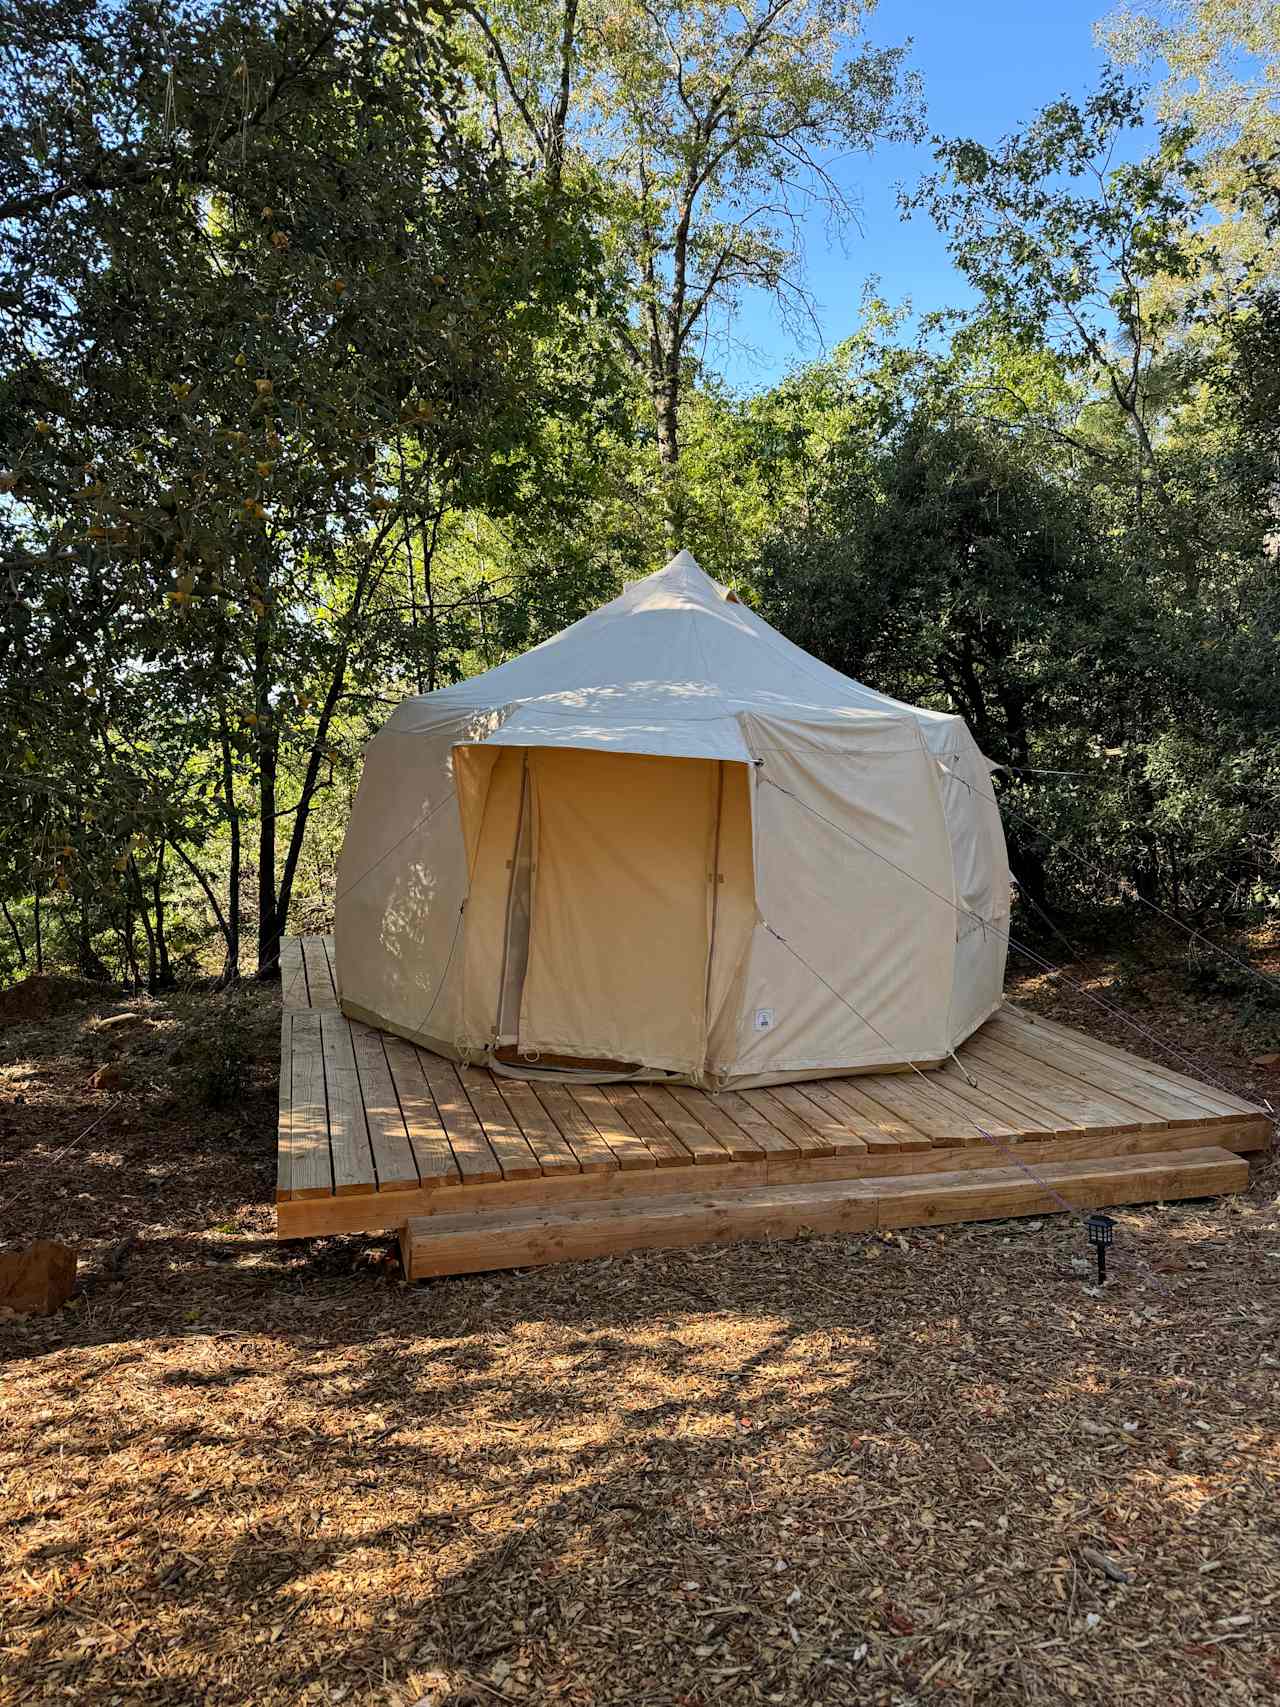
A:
(931, 1467)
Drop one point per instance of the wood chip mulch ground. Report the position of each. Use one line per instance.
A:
(934, 1467)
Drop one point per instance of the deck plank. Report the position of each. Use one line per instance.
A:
(284, 1137)
(933, 1110)
(880, 1128)
(543, 1136)
(985, 1103)
(708, 1108)
(661, 1142)
(432, 1152)
(1059, 1093)
(476, 1161)
(501, 1128)
(860, 1126)
(1125, 1073)
(320, 990)
(987, 1087)
(349, 1147)
(772, 1142)
(393, 1157)
(312, 1168)
(705, 1148)
(631, 1151)
(1099, 1109)
(293, 975)
(797, 1130)
(594, 1155)
(825, 1121)
(1212, 1096)
(1112, 1080)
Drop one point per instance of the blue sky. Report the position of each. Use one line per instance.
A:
(987, 65)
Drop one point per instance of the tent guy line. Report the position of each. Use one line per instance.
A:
(1012, 941)
(1004, 809)
(444, 976)
(1036, 1179)
(1205, 1073)
(1035, 906)
(399, 842)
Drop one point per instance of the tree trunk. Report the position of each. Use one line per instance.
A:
(269, 928)
(16, 934)
(560, 112)
(666, 414)
(1144, 868)
(428, 591)
(302, 812)
(39, 935)
(269, 904)
(130, 977)
(164, 972)
(411, 578)
(231, 919)
(88, 963)
(273, 898)
(140, 906)
(1146, 876)
(269, 954)
(1027, 864)
(665, 405)
(206, 889)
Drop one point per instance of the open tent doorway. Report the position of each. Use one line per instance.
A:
(611, 904)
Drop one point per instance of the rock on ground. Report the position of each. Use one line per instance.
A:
(37, 1278)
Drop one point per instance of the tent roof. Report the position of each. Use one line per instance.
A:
(669, 666)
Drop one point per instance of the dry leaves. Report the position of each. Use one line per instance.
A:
(237, 1472)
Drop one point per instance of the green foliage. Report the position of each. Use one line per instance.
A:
(343, 354)
(1066, 528)
(710, 130)
(1217, 60)
(261, 341)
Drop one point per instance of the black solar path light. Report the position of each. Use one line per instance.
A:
(1102, 1232)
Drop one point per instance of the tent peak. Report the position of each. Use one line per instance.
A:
(683, 560)
(682, 584)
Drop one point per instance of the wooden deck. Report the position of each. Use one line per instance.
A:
(374, 1132)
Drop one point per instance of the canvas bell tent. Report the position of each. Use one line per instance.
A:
(670, 843)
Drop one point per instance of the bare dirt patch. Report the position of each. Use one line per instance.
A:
(926, 1468)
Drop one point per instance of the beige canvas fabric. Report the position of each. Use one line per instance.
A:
(620, 922)
(670, 843)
